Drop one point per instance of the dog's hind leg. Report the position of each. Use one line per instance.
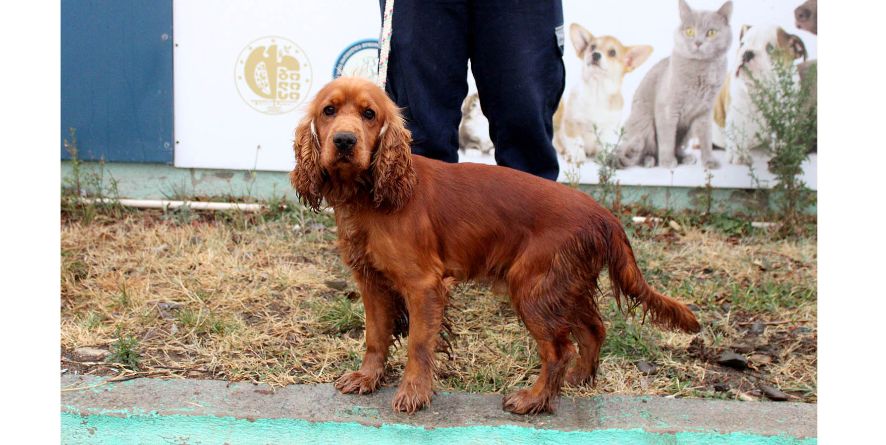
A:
(542, 305)
(589, 331)
(556, 350)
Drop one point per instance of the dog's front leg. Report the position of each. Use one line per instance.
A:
(379, 305)
(426, 303)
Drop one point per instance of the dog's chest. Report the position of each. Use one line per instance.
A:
(594, 107)
(365, 249)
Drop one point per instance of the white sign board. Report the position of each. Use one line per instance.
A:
(244, 70)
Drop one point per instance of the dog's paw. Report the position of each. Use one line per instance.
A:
(578, 376)
(411, 397)
(524, 402)
(689, 159)
(358, 382)
(669, 163)
(649, 162)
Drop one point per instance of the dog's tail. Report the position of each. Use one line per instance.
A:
(627, 280)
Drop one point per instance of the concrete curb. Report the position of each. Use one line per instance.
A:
(89, 398)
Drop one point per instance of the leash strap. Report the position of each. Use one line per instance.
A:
(385, 43)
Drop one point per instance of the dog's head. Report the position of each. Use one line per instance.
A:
(762, 46)
(605, 58)
(352, 143)
(806, 16)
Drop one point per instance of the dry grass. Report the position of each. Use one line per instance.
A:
(238, 298)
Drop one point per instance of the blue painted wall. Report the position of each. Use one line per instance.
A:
(116, 73)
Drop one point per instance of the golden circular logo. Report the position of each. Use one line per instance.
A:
(273, 75)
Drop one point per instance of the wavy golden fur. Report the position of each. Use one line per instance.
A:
(409, 227)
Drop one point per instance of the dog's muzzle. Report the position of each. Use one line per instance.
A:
(344, 141)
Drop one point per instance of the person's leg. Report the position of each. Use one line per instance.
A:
(517, 62)
(427, 72)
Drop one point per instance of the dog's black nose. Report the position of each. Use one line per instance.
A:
(747, 56)
(596, 56)
(344, 140)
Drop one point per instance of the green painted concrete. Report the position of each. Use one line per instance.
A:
(94, 410)
(183, 429)
(156, 181)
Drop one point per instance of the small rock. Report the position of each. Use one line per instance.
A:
(803, 330)
(90, 354)
(707, 270)
(721, 387)
(336, 284)
(733, 360)
(674, 225)
(693, 307)
(726, 307)
(760, 359)
(773, 393)
(757, 328)
(746, 397)
(647, 368)
(168, 305)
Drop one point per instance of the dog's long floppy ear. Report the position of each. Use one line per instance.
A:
(581, 38)
(307, 177)
(793, 43)
(393, 175)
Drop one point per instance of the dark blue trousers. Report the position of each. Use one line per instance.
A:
(517, 61)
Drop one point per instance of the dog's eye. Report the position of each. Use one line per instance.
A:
(329, 110)
(611, 53)
(368, 114)
(690, 32)
(711, 33)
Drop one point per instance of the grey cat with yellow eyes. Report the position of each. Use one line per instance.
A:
(674, 102)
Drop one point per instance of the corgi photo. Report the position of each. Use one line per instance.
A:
(591, 114)
(473, 131)
(735, 115)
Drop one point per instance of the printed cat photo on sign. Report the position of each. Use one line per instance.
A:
(592, 110)
(674, 102)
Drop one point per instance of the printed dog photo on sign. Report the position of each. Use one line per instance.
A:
(742, 130)
(592, 110)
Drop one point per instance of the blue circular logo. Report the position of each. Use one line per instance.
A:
(359, 59)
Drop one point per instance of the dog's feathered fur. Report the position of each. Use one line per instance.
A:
(409, 227)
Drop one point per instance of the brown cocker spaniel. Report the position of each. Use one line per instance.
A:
(409, 227)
